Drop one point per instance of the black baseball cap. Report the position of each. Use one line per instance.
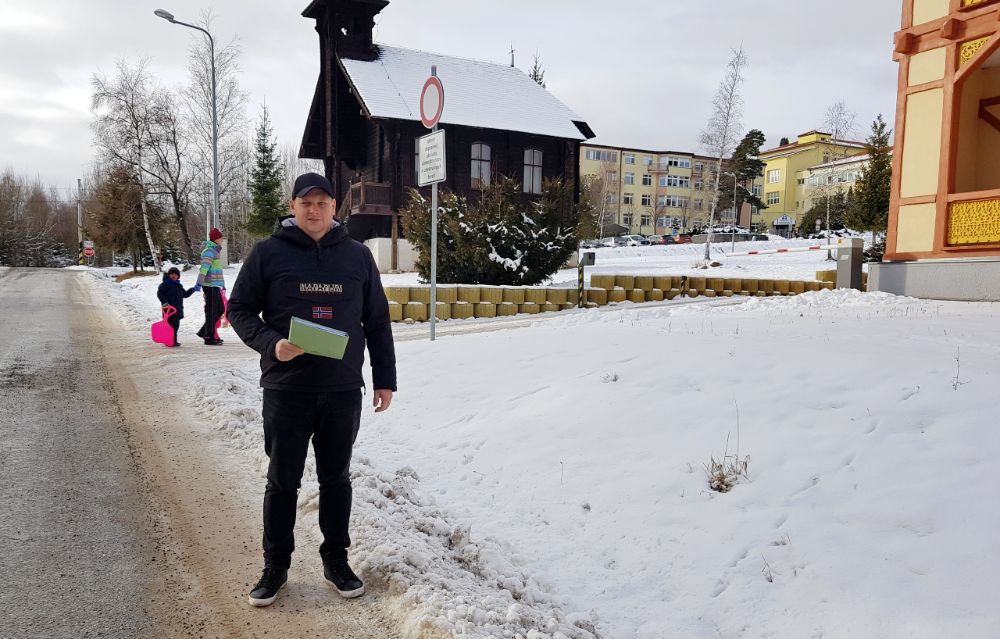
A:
(309, 181)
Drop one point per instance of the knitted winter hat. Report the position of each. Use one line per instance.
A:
(174, 270)
(215, 235)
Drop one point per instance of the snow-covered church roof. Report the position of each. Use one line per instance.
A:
(477, 94)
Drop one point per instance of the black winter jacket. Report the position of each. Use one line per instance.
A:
(334, 282)
(173, 293)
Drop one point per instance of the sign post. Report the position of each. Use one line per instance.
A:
(432, 167)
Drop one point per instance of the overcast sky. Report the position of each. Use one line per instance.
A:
(641, 73)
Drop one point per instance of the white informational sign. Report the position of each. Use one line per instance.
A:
(432, 159)
(88, 244)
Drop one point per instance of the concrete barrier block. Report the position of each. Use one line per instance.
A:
(395, 311)
(781, 287)
(829, 286)
(697, 283)
(645, 282)
(637, 295)
(717, 284)
(415, 311)
(663, 282)
(462, 310)
(447, 294)
(550, 307)
(796, 287)
(765, 286)
(607, 282)
(398, 294)
(420, 294)
(616, 295)
(750, 286)
(655, 295)
(491, 294)
(732, 284)
(530, 308)
(469, 294)
(535, 295)
(627, 282)
(513, 295)
(559, 296)
(565, 306)
(812, 286)
(691, 292)
(484, 309)
(672, 293)
(597, 296)
(506, 309)
(443, 311)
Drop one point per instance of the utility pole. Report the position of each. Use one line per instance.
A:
(79, 218)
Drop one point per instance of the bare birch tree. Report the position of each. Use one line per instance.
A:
(170, 171)
(123, 113)
(724, 128)
(230, 106)
(839, 122)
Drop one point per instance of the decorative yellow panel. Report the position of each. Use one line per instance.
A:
(928, 10)
(974, 222)
(969, 3)
(969, 50)
(922, 143)
(915, 228)
(927, 66)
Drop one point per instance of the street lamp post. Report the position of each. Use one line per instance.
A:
(169, 17)
(732, 235)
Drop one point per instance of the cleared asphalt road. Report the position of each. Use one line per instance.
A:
(122, 512)
(70, 543)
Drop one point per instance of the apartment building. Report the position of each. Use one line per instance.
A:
(785, 180)
(647, 192)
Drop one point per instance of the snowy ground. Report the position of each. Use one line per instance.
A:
(551, 475)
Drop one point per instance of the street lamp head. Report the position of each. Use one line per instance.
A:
(163, 13)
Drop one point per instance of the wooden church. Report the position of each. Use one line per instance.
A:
(944, 218)
(365, 120)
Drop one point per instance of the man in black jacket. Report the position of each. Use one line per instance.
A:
(311, 269)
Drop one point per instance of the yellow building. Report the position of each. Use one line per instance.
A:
(944, 216)
(651, 192)
(783, 191)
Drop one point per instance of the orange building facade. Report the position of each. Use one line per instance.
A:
(944, 218)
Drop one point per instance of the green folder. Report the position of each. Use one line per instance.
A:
(317, 339)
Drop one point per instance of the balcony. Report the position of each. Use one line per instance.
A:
(367, 198)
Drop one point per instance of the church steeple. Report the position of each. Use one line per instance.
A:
(349, 24)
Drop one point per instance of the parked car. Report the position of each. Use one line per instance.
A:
(616, 242)
(683, 238)
(635, 240)
(654, 239)
(590, 244)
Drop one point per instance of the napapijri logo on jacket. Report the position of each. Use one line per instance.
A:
(321, 288)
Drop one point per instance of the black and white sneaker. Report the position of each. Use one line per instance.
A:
(266, 590)
(339, 573)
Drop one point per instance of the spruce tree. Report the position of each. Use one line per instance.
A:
(869, 210)
(266, 198)
(537, 73)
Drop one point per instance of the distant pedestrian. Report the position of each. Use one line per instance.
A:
(311, 269)
(211, 283)
(171, 293)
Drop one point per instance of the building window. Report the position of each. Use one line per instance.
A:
(602, 156)
(758, 190)
(774, 176)
(612, 177)
(699, 166)
(611, 198)
(672, 201)
(629, 178)
(480, 165)
(627, 198)
(647, 179)
(645, 220)
(532, 171)
(678, 181)
(698, 205)
(802, 181)
(627, 219)
(647, 160)
(699, 185)
(773, 197)
(662, 181)
(629, 158)
(681, 163)
(647, 199)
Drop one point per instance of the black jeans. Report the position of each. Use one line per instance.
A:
(175, 323)
(290, 420)
(213, 311)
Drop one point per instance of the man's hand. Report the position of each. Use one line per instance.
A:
(285, 351)
(382, 399)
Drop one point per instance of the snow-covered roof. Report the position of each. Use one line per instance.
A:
(478, 94)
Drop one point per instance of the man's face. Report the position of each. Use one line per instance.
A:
(314, 213)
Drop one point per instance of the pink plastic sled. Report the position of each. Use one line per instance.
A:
(162, 332)
(223, 321)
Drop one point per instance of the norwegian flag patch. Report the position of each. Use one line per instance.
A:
(322, 312)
